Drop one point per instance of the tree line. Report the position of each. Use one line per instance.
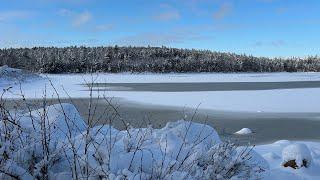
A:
(146, 59)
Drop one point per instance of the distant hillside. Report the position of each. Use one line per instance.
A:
(145, 59)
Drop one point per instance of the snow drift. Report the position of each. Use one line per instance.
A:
(55, 142)
(12, 75)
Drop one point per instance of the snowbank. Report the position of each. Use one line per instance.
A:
(244, 131)
(64, 119)
(56, 138)
(10, 76)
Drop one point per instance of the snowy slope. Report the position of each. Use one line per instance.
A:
(9, 76)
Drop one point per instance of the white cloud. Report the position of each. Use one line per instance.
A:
(81, 19)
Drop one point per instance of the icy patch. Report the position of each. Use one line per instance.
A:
(244, 131)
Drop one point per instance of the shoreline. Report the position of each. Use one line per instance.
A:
(267, 127)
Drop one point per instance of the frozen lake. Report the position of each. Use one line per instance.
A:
(274, 106)
(267, 127)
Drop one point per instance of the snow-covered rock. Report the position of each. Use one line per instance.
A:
(244, 131)
(272, 153)
(296, 156)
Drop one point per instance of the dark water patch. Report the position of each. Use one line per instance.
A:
(203, 86)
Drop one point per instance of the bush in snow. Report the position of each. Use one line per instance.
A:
(296, 156)
(55, 142)
(28, 142)
(226, 161)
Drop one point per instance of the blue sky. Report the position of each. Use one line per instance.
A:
(259, 27)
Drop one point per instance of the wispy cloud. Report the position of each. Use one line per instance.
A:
(77, 18)
(168, 13)
(153, 39)
(159, 39)
(103, 27)
(267, 1)
(276, 43)
(168, 16)
(224, 10)
(282, 10)
(15, 15)
(65, 12)
(12, 36)
(81, 19)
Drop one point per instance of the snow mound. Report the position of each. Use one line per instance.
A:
(244, 131)
(296, 155)
(57, 138)
(270, 156)
(283, 142)
(192, 132)
(12, 75)
(62, 120)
